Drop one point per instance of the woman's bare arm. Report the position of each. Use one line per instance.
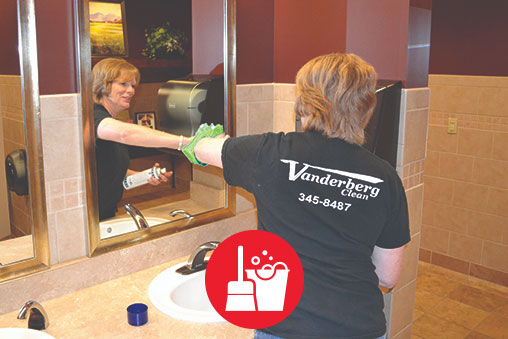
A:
(131, 134)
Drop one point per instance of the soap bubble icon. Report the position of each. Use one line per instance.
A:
(268, 271)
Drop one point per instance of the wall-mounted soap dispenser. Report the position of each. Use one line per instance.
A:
(17, 172)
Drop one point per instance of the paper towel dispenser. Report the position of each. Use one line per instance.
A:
(184, 104)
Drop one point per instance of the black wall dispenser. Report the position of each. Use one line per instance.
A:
(17, 172)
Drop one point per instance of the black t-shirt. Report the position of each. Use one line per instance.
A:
(112, 159)
(333, 202)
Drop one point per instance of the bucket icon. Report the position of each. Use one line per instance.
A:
(270, 287)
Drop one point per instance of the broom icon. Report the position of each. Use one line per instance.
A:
(240, 292)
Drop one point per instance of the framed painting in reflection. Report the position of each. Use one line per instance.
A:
(146, 119)
(108, 30)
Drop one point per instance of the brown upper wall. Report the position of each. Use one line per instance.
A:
(469, 37)
(255, 41)
(55, 46)
(305, 29)
(9, 59)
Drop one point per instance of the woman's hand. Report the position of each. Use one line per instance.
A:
(164, 177)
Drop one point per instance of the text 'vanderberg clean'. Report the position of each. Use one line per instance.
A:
(349, 188)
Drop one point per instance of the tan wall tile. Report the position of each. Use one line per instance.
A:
(475, 142)
(254, 92)
(260, 117)
(454, 166)
(432, 163)
(283, 117)
(494, 256)
(497, 202)
(450, 218)
(402, 308)
(499, 149)
(438, 189)
(435, 239)
(465, 247)
(490, 172)
(486, 226)
(493, 101)
(450, 263)
(454, 99)
(440, 140)
(285, 92)
(415, 207)
(60, 106)
(415, 140)
(410, 262)
(417, 98)
(471, 196)
(59, 164)
(242, 122)
(71, 233)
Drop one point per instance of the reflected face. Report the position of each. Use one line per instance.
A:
(122, 91)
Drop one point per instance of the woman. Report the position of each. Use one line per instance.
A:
(114, 83)
(342, 209)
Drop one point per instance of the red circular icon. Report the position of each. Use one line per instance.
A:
(254, 279)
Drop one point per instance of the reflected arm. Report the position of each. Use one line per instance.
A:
(209, 151)
(131, 134)
(388, 264)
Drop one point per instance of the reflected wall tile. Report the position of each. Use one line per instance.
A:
(60, 106)
(415, 207)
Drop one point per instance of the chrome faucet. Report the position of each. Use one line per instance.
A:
(174, 213)
(38, 319)
(196, 261)
(139, 219)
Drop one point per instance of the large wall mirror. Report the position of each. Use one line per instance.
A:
(23, 228)
(184, 50)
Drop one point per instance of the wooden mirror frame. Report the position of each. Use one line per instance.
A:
(96, 245)
(31, 105)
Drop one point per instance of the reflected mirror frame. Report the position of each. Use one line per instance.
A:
(30, 86)
(96, 245)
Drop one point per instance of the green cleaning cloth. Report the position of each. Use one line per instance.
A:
(204, 131)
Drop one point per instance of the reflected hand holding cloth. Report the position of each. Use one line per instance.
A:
(204, 131)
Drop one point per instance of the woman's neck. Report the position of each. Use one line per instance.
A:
(108, 105)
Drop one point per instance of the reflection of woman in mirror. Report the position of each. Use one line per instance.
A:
(114, 82)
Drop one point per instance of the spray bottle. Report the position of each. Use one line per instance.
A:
(141, 178)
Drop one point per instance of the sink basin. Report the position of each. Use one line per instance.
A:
(115, 227)
(182, 297)
(23, 333)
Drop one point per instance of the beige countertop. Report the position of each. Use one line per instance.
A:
(100, 312)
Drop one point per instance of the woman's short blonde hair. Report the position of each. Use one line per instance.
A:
(108, 70)
(335, 94)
